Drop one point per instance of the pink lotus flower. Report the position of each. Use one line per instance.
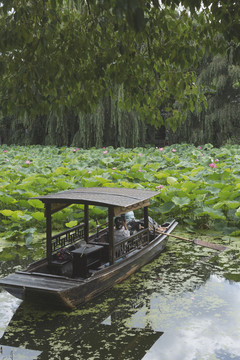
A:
(217, 160)
(74, 150)
(140, 170)
(140, 154)
(5, 151)
(200, 148)
(114, 168)
(160, 149)
(27, 162)
(77, 149)
(89, 172)
(174, 150)
(159, 187)
(7, 160)
(212, 165)
(104, 147)
(105, 152)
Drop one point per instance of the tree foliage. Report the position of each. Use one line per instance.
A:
(219, 122)
(107, 125)
(58, 55)
(71, 54)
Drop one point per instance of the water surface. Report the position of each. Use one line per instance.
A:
(182, 306)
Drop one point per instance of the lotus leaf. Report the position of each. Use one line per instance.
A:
(189, 189)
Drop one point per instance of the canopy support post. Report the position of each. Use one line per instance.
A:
(111, 234)
(86, 223)
(146, 217)
(48, 231)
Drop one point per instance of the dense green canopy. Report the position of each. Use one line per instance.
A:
(57, 55)
(219, 122)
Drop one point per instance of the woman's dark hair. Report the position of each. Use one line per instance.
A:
(119, 222)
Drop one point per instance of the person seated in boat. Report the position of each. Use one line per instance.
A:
(154, 226)
(121, 231)
(132, 223)
(135, 225)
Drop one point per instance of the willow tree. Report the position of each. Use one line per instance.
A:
(71, 55)
(107, 125)
(218, 123)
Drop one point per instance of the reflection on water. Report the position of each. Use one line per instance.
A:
(12, 353)
(201, 324)
(176, 308)
(9, 305)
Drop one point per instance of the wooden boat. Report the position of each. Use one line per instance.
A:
(88, 263)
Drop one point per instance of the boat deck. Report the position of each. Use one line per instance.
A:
(39, 281)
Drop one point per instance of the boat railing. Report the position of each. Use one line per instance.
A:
(99, 232)
(136, 241)
(67, 237)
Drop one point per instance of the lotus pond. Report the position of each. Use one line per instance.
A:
(199, 186)
(182, 306)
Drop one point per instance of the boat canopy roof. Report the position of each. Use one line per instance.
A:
(122, 199)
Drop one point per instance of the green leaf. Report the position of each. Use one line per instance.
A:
(189, 186)
(167, 207)
(227, 204)
(71, 224)
(62, 184)
(26, 217)
(6, 212)
(20, 215)
(98, 211)
(36, 203)
(235, 233)
(38, 216)
(181, 201)
(213, 213)
(28, 235)
(28, 239)
(7, 199)
(238, 212)
(161, 175)
(171, 180)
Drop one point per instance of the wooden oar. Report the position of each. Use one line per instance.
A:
(197, 242)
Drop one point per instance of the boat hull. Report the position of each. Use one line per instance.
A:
(69, 292)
